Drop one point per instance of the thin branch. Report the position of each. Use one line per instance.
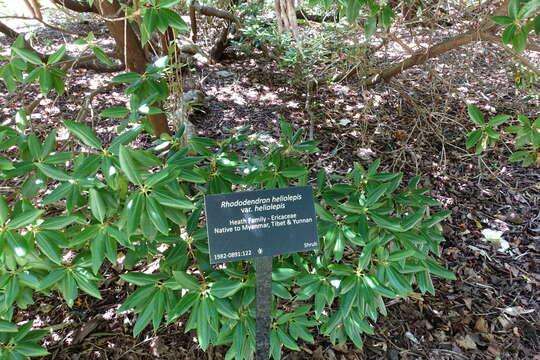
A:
(211, 11)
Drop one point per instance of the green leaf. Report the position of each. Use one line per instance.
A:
(141, 279)
(7, 327)
(173, 20)
(144, 319)
(371, 26)
(172, 201)
(6, 164)
(157, 216)
(519, 41)
(400, 255)
(437, 218)
(30, 349)
(128, 166)
(286, 340)
(97, 205)
(133, 210)
(166, 4)
(508, 34)
(282, 274)
(126, 78)
(86, 284)
(513, 8)
(473, 138)
(387, 222)
(528, 9)
(413, 219)
(498, 120)
(57, 56)
(53, 172)
(49, 248)
(115, 112)
(26, 218)
(187, 281)
(294, 172)
(502, 20)
(84, 133)
(58, 222)
(4, 210)
(438, 270)
(45, 81)
(185, 303)
(226, 288)
(27, 55)
(100, 54)
(476, 115)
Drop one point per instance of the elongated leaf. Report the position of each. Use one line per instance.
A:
(97, 205)
(187, 281)
(86, 284)
(7, 327)
(387, 222)
(53, 172)
(26, 218)
(128, 166)
(157, 216)
(473, 138)
(226, 288)
(172, 201)
(56, 56)
(476, 115)
(141, 279)
(30, 349)
(400, 255)
(133, 210)
(83, 133)
(126, 78)
(27, 55)
(115, 112)
(294, 172)
(49, 248)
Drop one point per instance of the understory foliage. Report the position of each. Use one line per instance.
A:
(78, 210)
(526, 136)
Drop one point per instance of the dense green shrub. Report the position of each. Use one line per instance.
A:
(75, 211)
(485, 136)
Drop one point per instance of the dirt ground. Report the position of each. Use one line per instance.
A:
(416, 124)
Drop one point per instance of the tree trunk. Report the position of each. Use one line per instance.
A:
(128, 46)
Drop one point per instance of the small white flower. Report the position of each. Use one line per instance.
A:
(492, 235)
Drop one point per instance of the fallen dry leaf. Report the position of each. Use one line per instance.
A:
(466, 342)
(517, 310)
(482, 325)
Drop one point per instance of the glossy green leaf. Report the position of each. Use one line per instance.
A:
(157, 216)
(83, 133)
(26, 218)
(27, 55)
(226, 288)
(128, 166)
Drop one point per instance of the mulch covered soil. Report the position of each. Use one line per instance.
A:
(415, 124)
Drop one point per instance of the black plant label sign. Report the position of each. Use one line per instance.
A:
(251, 224)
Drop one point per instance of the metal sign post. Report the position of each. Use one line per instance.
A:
(263, 274)
(261, 224)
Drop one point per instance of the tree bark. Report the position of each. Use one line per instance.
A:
(76, 6)
(128, 46)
